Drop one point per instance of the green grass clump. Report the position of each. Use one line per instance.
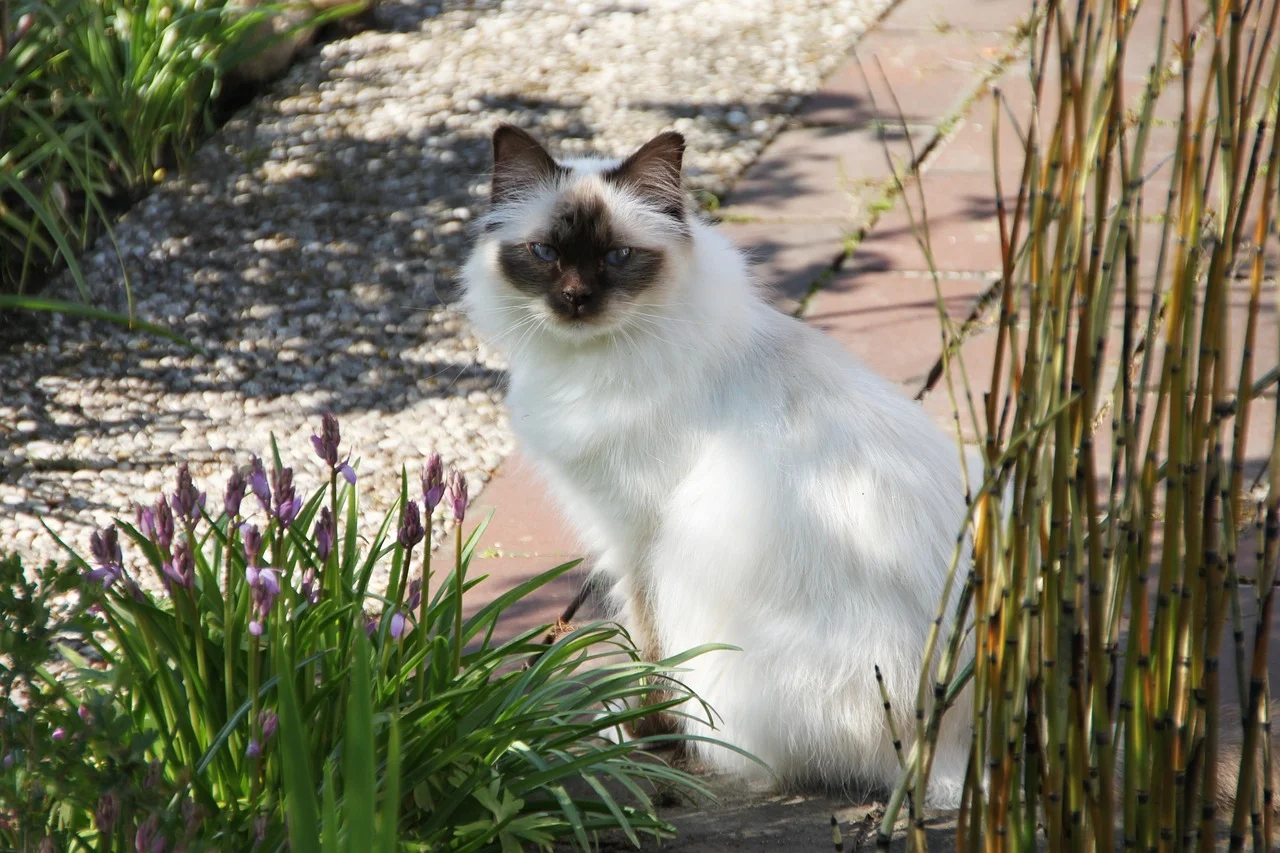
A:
(97, 99)
(271, 698)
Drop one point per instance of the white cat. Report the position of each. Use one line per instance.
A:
(741, 478)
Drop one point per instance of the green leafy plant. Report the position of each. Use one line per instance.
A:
(1103, 582)
(271, 709)
(97, 99)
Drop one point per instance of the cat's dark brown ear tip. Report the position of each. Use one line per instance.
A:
(509, 139)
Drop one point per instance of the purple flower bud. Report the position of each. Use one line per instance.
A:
(411, 532)
(187, 500)
(310, 589)
(145, 839)
(268, 721)
(7, 761)
(105, 815)
(85, 713)
(324, 534)
(236, 486)
(370, 626)
(415, 594)
(269, 581)
(105, 546)
(287, 503)
(255, 628)
(348, 473)
(59, 733)
(326, 444)
(258, 483)
(146, 521)
(181, 569)
(254, 749)
(397, 625)
(432, 483)
(164, 526)
(458, 494)
(252, 538)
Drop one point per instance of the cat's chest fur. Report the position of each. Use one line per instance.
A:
(608, 437)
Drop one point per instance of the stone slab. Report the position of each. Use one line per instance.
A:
(788, 257)
(963, 228)
(825, 173)
(921, 76)
(890, 320)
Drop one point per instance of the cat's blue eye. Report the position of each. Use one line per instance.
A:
(617, 257)
(543, 252)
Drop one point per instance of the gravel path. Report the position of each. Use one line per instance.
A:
(311, 245)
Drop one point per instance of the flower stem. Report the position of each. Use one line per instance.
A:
(457, 604)
(422, 608)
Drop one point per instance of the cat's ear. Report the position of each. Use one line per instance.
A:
(653, 172)
(519, 164)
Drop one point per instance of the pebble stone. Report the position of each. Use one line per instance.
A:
(310, 246)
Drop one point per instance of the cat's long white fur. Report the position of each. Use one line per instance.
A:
(757, 483)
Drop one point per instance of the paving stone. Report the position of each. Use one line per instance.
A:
(789, 256)
(964, 233)
(890, 319)
(824, 173)
(526, 520)
(1001, 16)
(926, 74)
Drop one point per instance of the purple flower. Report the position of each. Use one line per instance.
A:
(326, 446)
(411, 531)
(146, 840)
(268, 721)
(370, 626)
(397, 625)
(109, 562)
(236, 486)
(59, 733)
(187, 500)
(254, 749)
(105, 815)
(432, 483)
(287, 503)
(324, 534)
(415, 594)
(252, 538)
(458, 494)
(265, 584)
(309, 588)
(181, 569)
(163, 526)
(7, 761)
(258, 483)
(84, 712)
(326, 443)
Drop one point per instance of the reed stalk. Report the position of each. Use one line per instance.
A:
(1120, 429)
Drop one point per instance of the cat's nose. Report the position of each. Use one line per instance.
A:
(576, 295)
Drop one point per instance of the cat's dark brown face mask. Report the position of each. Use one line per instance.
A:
(578, 261)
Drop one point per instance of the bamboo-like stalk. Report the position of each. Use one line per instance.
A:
(1121, 445)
